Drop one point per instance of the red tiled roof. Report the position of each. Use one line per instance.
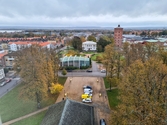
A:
(26, 43)
(44, 43)
(2, 54)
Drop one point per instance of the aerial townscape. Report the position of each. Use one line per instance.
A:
(83, 63)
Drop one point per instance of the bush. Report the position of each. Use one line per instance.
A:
(64, 72)
(99, 58)
(71, 68)
(84, 67)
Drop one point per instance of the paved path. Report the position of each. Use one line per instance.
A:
(26, 116)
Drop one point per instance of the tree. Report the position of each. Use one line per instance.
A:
(99, 58)
(101, 44)
(37, 68)
(64, 72)
(6, 70)
(110, 62)
(77, 43)
(56, 88)
(91, 38)
(72, 53)
(82, 38)
(143, 94)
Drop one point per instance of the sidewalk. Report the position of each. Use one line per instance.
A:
(26, 116)
(111, 88)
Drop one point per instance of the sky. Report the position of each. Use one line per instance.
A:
(83, 13)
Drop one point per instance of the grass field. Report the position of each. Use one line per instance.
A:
(11, 106)
(107, 84)
(33, 120)
(112, 98)
(95, 55)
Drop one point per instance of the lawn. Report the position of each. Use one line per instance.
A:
(33, 120)
(95, 55)
(62, 80)
(112, 98)
(11, 106)
(107, 84)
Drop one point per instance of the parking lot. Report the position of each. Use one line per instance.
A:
(73, 89)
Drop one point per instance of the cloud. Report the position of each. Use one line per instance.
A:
(81, 12)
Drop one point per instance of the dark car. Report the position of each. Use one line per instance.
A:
(102, 122)
(87, 87)
(88, 70)
(69, 70)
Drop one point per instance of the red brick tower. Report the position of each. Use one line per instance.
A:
(118, 31)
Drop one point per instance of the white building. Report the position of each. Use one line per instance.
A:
(15, 46)
(89, 46)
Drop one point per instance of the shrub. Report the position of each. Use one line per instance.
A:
(64, 72)
(84, 67)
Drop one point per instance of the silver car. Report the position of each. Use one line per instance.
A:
(87, 100)
(2, 84)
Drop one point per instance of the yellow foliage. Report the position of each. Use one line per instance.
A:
(55, 88)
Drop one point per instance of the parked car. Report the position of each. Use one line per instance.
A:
(8, 80)
(102, 122)
(3, 83)
(88, 90)
(89, 70)
(103, 71)
(85, 96)
(87, 87)
(87, 100)
(88, 93)
(69, 70)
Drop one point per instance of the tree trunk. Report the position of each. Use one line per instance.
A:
(38, 101)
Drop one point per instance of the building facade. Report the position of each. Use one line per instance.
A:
(9, 60)
(89, 46)
(118, 38)
(74, 61)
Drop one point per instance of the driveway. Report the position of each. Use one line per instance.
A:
(74, 90)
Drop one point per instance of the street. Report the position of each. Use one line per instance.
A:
(9, 86)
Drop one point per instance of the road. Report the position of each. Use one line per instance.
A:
(9, 86)
(77, 73)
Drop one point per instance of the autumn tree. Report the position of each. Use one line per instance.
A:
(82, 38)
(91, 38)
(112, 62)
(55, 88)
(143, 94)
(72, 53)
(37, 68)
(133, 52)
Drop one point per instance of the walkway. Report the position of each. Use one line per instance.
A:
(26, 116)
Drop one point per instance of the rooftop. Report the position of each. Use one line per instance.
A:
(89, 42)
(69, 112)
